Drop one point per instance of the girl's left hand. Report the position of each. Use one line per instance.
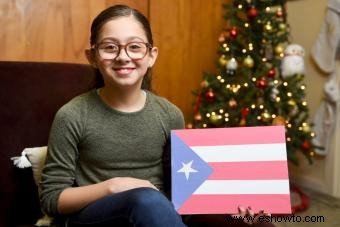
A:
(248, 215)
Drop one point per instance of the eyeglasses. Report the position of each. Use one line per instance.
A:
(134, 50)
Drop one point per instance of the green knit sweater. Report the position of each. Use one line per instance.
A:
(90, 142)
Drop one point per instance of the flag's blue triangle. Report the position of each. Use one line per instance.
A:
(181, 187)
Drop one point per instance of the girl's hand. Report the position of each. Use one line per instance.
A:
(119, 184)
(248, 215)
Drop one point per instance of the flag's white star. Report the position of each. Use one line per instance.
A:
(186, 169)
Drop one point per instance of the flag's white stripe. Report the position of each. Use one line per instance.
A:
(225, 187)
(242, 153)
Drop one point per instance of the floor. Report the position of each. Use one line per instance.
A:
(322, 207)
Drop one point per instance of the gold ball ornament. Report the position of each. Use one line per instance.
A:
(279, 120)
(189, 126)
(268, 27)
(265, 116)
(282, 26)
(222, 61)
(243, 122)
(248, 62)
(278, 49)
(216, 119)
(306, 128)
(291, 102)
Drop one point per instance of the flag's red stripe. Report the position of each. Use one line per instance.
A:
(260, 170)
(232, 136)
(227, 204)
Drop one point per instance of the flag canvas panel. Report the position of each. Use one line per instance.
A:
(216, 170)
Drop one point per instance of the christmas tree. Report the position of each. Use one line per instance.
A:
(259, 79)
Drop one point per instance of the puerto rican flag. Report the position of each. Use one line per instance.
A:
(218, 169)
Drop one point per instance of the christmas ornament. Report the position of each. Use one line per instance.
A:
(216, 119)
(305, 145)
(189, 126)
(282, 27)
(268, 27)
(221, 38)
(268, 51)
(244, 112)
(293, 62)
(204, 84)
(248, 62)
(252, 12)
(278, 49)
(232, 103)
(233, 32)
(210, 95)
(279, 12)
(265, 116)
(271, 73)
(291, 102)
(198, 117)
(243, 122)
(262, 83)
(274, 93)
(278, 120)
(306, 128)
(222, 61)
(232, 64)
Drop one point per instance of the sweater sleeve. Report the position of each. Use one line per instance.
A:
(59, 169)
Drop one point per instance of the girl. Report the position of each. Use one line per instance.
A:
(106, 147)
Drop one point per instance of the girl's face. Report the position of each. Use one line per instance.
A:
(123, 71)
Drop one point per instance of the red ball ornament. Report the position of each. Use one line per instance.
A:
(252, 12)
(305, 145)
(244, 112)
(210, 96)
(232, 103)
(189, 126)
(204, 84)
(271, 73)
(262, 83)
(279, 13)
(233, 32)
(198, 117)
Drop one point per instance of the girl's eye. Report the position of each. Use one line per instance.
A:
(109, 47)
(135, 47)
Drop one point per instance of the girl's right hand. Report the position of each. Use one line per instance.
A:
(120, 184)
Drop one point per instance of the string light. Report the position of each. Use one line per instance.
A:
(208, 115)
(285, 84)
(304, 103)
(240, 6)
(221, 110)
